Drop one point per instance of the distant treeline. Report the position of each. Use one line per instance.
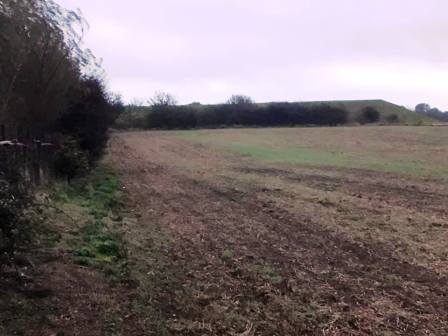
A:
(273, 114)
(239, 112)
(431, 112)
(164, 113)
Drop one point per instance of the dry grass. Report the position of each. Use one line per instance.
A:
(250, 245)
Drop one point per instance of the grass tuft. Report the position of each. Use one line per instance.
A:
(268, 273)
(100, 193)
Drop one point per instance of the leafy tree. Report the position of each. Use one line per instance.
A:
(431, 112)
(369, 115)
(422, 108)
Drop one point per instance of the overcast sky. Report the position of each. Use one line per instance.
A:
(272, 50)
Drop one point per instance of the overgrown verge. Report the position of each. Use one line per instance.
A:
(76, 262)
(97, 240)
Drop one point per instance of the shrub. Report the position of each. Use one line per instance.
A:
(12, 203)
(90, 116)
(171, 117)
(132, 117)
(70, 161)
(392, 118)
(324, 114)
(369, 115)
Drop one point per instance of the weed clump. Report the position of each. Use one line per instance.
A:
(100, 194)
(268, 273)
(99, 246)
(227, 255)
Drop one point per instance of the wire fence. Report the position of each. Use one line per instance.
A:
(24, 162)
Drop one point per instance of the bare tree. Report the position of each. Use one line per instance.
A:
(136, 102)
(422, 108)
(162, 99)
(240, 100)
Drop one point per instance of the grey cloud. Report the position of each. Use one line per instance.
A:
(270, 49)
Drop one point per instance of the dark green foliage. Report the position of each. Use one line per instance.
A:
(133, 116)
(369, 115)
(90, 116)
(99, 245)
(422, 108)
(100, 193)
(70, 161)
(171, 117)
(13, 225)
(49, 84)
(392, 118)
(243, 114)
(40, 62)
(166, 114)
(431, 112)
(50, 90)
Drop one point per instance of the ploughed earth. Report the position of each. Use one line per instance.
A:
(218, 243)
(227, 245)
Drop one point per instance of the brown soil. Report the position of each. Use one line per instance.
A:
(219, 244)
(235, 248)
(61, 298)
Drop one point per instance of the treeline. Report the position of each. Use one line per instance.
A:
(50, 89)
(431, 112)
(226, 115)
(238, 111)
(164, 113)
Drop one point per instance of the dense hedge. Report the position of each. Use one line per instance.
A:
(226, 115)
(50, 89)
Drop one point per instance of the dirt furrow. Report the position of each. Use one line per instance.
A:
(246, 265)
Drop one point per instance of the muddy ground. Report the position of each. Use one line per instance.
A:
(218, 243)
(225, 245)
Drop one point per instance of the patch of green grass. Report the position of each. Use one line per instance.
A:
(268, 273)
(98, 245)
(227, 254)
(337, 159)
(100, 192)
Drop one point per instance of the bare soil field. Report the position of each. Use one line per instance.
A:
(239, 232)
